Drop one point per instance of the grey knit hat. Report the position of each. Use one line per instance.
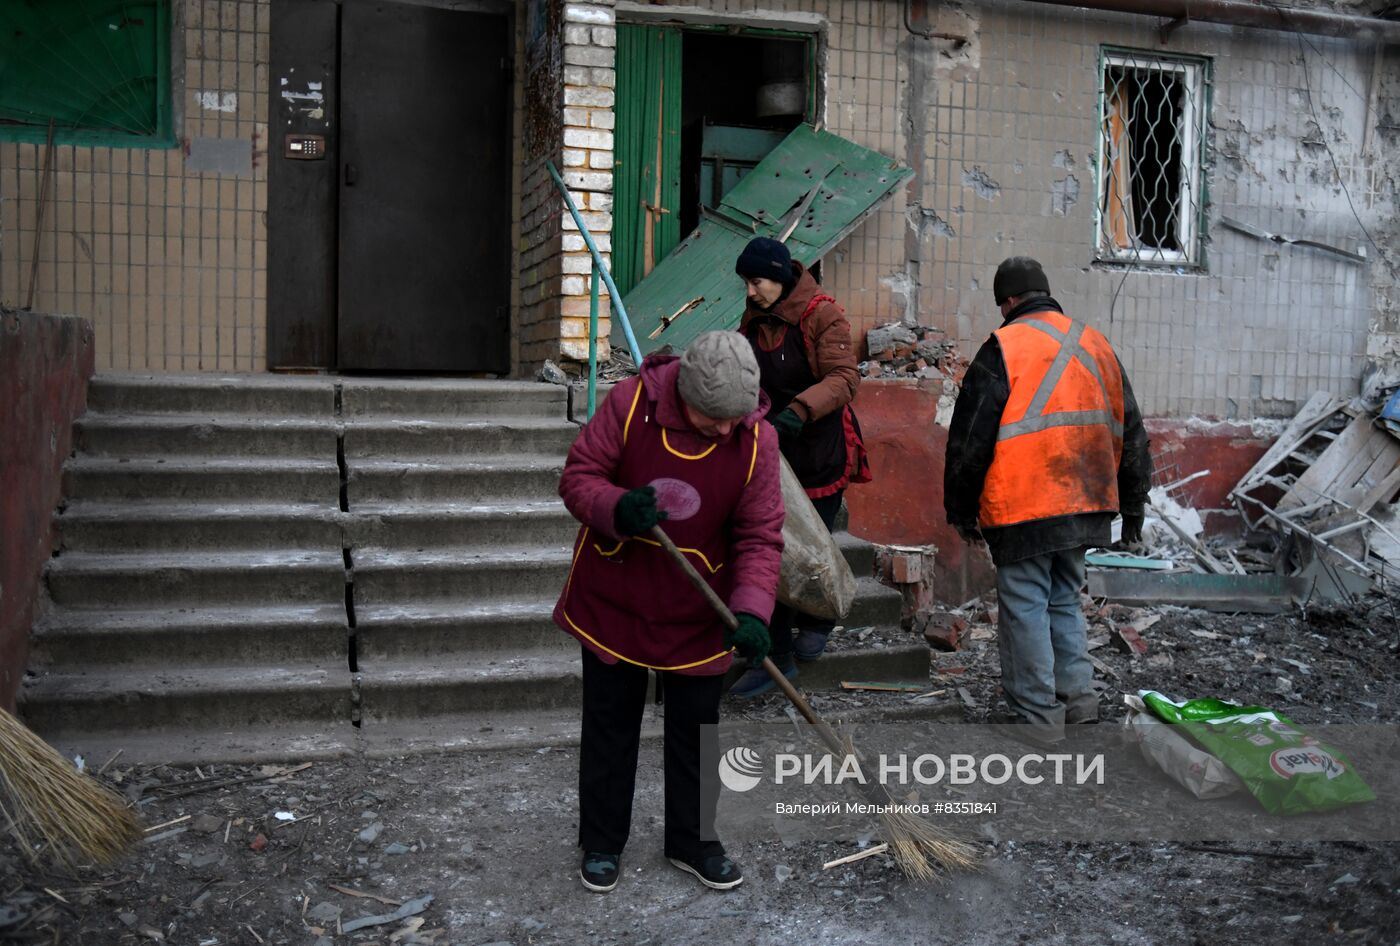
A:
(719, 375)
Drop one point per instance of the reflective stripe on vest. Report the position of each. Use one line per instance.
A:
(1061, 434)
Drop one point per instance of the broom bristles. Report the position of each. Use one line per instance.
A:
(922, 850)
(45, 798)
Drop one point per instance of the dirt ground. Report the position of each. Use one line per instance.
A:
(489, 837)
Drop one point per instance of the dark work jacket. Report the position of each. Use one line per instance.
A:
(972, 440)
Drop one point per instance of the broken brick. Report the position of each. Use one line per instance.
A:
(1126, 638)
(906, 568)
(259, 842)
(942, 630)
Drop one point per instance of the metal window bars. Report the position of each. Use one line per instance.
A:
(1152, 120)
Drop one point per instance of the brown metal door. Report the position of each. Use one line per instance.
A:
(424, 189)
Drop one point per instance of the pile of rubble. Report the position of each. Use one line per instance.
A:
(899, 350)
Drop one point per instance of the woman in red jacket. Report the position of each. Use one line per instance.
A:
(684, 442)
(807, 367)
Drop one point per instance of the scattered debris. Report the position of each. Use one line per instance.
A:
(860, 855)
(408, 909)
(900, 350)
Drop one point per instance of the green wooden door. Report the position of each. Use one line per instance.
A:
(646, 179)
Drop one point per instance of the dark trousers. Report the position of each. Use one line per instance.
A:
(785, 618)
(614, 696)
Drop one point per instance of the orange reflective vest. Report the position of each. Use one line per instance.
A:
(1061, 435)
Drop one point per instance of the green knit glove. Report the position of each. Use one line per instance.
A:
(750, 638)
(787, 423)
(636, 511)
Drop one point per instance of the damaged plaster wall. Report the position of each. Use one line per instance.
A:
(1009, 166)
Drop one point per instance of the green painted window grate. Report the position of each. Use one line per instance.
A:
(99, 70)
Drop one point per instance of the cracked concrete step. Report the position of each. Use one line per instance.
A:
(202, 393)
(456, 626)
(228, 435)
(397, 525)
(203, 478)
(477, 573)
(157, 525)
(130, 700)
(382, 437)
(140, 579)
(472, 689)
(432, 397)
(454, 479)
(259, 634)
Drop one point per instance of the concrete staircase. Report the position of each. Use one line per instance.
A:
(286, 567)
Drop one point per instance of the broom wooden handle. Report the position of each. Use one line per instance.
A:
(701, 585)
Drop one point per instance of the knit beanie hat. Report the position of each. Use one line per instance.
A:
(766, 258)
(1017, 275)
(719, 375)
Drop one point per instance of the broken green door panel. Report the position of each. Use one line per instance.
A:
(647, 174)
(849, 182)
(727, 154)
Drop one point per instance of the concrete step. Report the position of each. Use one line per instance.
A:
(155, 525)
(389, 576)
(132, 700)
(860, 554)
(485, 479)
(874, 605)
(226, 435)
(382, 437)
(897, 663)
(203, 478)
(498, 525)
(456, 627)
(471, 689)
(441, 398)
(144, 579)
(262, 635)
(204, 393)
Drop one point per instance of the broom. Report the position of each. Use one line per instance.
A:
(44, 798)
(920, 848)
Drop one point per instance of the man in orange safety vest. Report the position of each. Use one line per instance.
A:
(1046, 446)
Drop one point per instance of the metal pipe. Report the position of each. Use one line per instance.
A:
(598, 261)
(593, 341)
(1267, 16)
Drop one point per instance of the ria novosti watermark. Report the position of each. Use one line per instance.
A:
(741, 769)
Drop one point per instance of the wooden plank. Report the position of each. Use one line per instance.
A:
(1317, 411)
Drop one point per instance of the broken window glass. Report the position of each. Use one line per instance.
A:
(1152, 121)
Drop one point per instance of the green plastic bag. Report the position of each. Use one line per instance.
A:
(1288, 771)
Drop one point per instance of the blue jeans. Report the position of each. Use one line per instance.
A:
(1042, 639)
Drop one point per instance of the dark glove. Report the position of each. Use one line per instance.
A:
(969, 534)
(1132, 528)
(636, 511)
(787, 423)
(750, 638)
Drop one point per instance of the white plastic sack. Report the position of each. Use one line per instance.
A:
(1194, 769)
(815, 576)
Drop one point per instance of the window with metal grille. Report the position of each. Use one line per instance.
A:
(98, 71)
(1152, 120)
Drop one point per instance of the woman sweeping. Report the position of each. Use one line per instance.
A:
(684, 443)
